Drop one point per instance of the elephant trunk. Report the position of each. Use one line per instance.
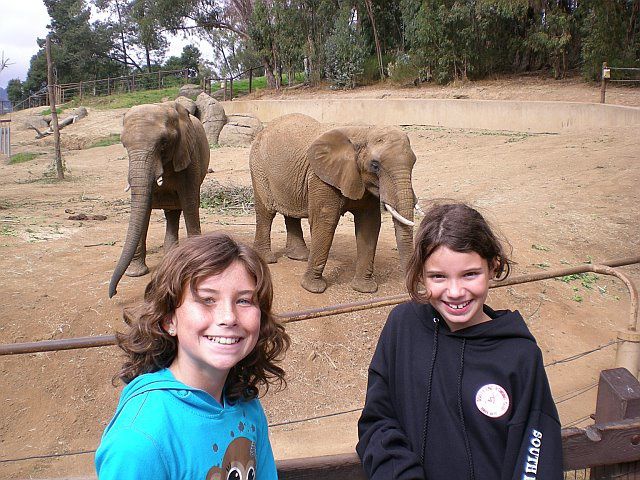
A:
(141, 179)
(404, 206)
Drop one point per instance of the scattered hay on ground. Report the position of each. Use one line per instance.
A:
(226, 199)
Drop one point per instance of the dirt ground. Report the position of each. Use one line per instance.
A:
(561, 200)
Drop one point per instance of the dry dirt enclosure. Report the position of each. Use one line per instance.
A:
(561, 200)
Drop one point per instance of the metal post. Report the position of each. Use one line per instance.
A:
(250, 78)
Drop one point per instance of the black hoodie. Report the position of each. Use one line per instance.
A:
(470, 404)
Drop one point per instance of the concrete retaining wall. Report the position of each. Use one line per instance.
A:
(538, 117)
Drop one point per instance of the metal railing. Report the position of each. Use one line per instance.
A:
(108, 340)
(610, 447)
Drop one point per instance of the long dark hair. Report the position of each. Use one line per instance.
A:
(150, 348)
(462, 229)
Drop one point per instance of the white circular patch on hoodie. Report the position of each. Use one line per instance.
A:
(492, 400)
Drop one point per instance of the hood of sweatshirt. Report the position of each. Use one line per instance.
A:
(503, 324)
(164, 380)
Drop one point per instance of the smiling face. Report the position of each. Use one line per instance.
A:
(457, 284)
(216, 327)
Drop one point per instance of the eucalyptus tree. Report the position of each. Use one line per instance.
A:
(81, 50)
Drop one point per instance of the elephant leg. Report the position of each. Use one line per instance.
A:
(190, 203)
(367, 224)
(262, 240)
(324, 213)
(138, 266)
(171, 233)
(296, 247)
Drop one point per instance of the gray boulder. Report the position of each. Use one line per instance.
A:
(240, 130)
(187, 103)
(211, 114)
(190, 90)
(37, 121)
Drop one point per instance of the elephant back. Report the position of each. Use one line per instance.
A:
(279, 166)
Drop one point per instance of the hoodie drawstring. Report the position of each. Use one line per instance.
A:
(429, 381)
(461, 413)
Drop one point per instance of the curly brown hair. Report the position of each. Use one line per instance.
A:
(460, 228)
(150, 348)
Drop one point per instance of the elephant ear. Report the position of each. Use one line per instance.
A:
(186, 141)
(333, 159)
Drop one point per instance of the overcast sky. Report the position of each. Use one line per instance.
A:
(22, 22)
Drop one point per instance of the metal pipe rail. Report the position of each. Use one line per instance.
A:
(605, 268)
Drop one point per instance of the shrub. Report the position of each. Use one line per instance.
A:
(345, 49)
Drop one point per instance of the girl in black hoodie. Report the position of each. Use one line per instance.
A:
(457, 390)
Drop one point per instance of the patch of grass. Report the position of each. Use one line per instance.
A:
(587, 280)
(227, 199)
(7, 231)
(543, 265)
(540, 247)
(128, 99)
(106, 141)
(23, 157)
(59, 110)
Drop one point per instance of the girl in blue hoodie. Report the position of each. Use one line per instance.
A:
(198, 347)
(457, 390)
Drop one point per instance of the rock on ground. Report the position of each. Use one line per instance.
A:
(240, 130)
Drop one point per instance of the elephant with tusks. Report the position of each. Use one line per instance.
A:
(301, 169)
(168, 160)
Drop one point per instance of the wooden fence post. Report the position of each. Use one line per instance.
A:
(603, 85)
(618, 399)
(250, 78)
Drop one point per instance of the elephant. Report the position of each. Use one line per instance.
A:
(301, 169)
(168, 160)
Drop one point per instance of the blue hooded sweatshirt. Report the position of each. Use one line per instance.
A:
(164, 429)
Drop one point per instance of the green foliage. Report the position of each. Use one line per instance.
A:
(191, 59)
(80, 50)
(47, 111)
(610, 32)
(551, 39)
(112, 139)
(22, 157)
(14, 90)
(345, 50)
(404, 70)
(371, 70)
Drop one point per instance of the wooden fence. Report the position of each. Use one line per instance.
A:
(610, 448)
(616, 74)
(107, 86)
(226, 84)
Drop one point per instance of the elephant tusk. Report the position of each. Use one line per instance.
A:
(127, 187)
(159, 181)
(419, 210)
(398, 217)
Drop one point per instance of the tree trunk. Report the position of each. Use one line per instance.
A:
(375, 36)
(124, 47)
(268, 71)
(54, 113)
